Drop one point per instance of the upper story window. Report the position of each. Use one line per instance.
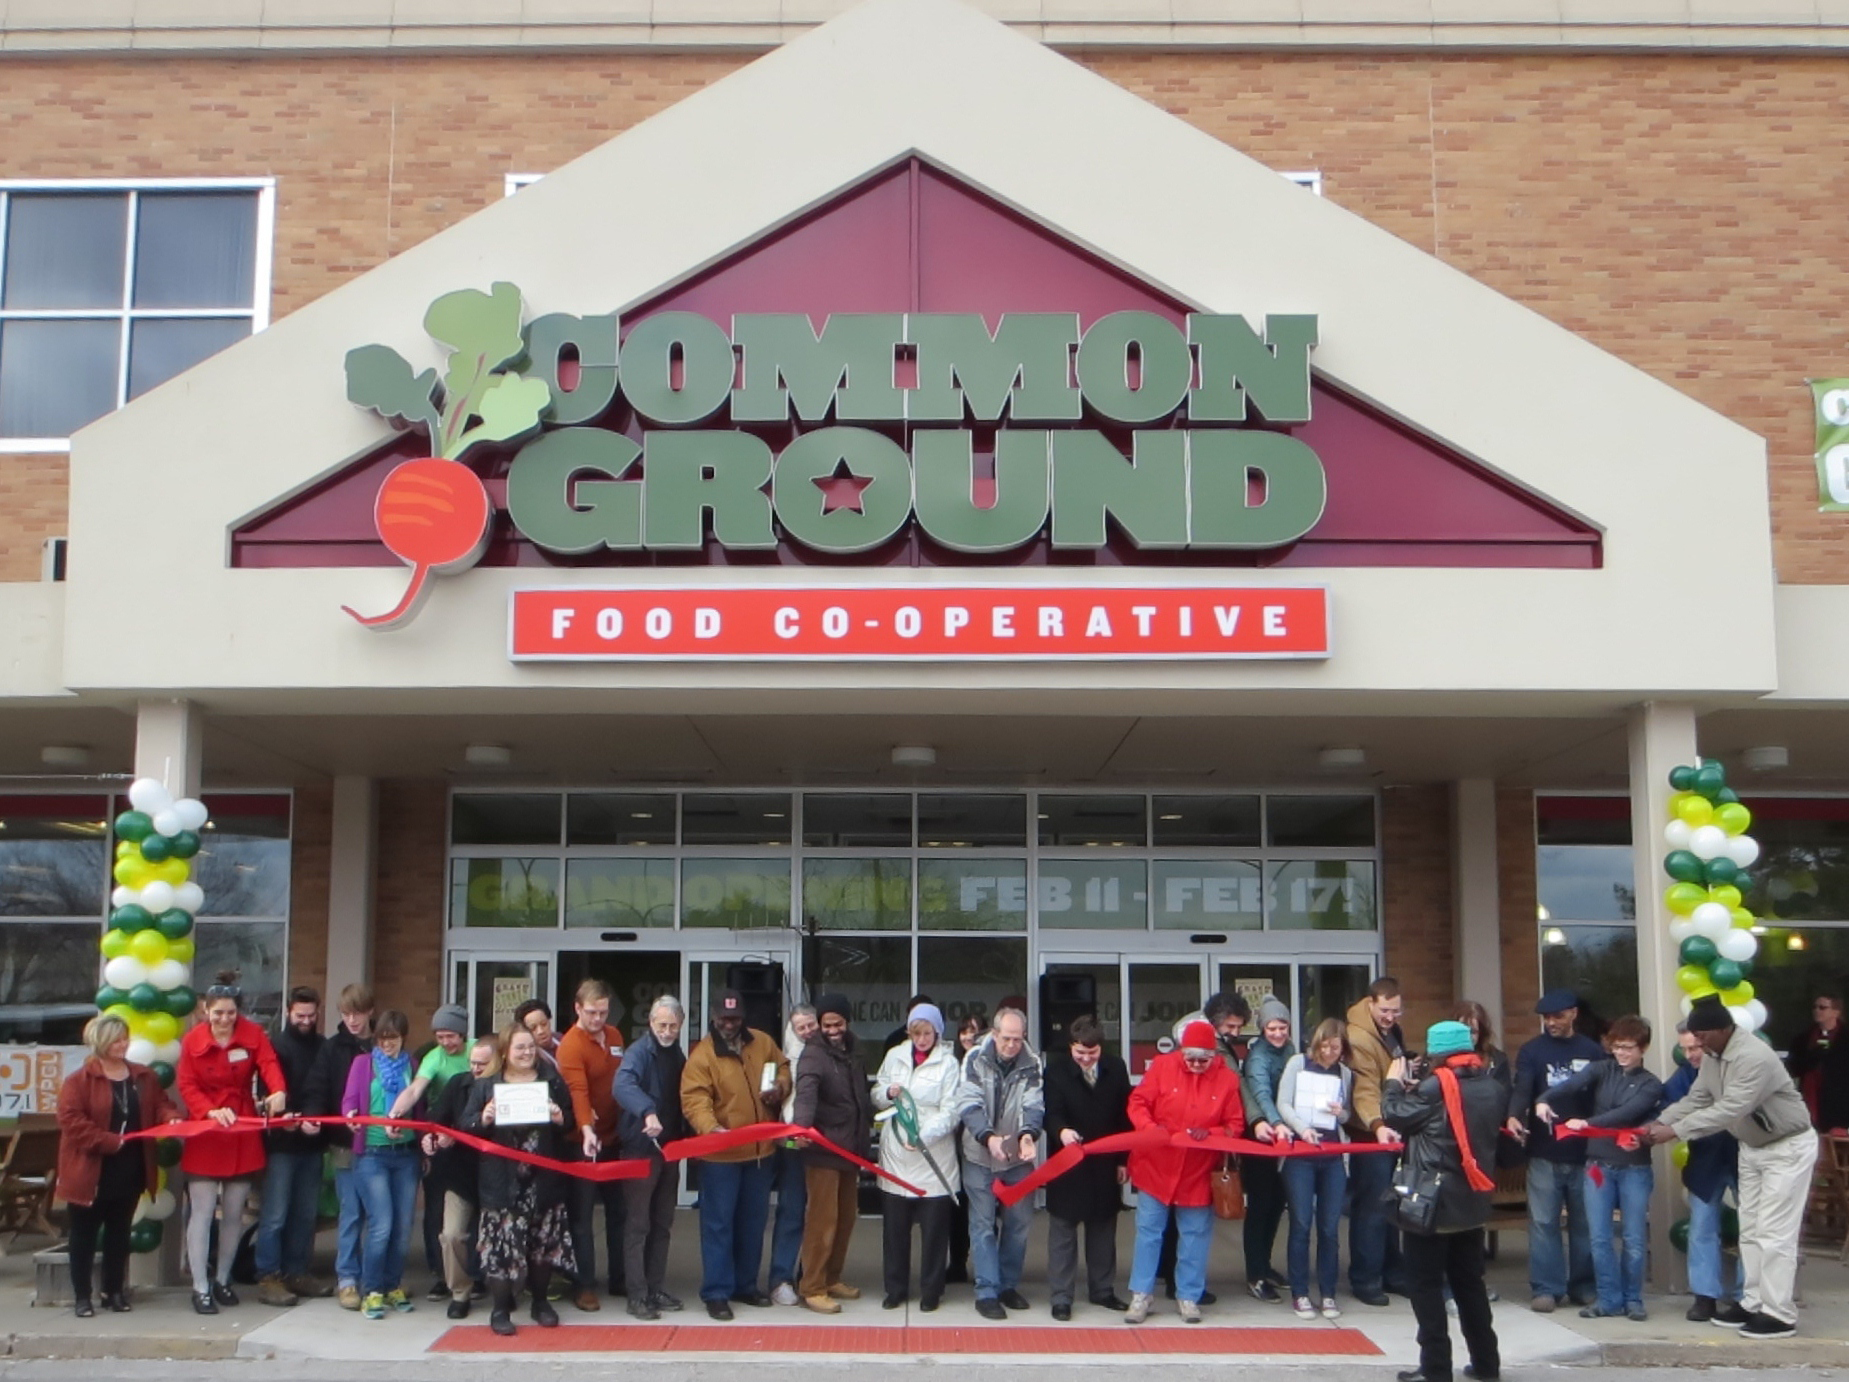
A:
(108, 289)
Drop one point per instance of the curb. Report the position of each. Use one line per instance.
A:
(1729, 1352)
(138, 1348)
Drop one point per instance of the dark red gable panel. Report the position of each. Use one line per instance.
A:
(914, 238)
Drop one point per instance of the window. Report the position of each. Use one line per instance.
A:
(1587, 903)
(108, 289)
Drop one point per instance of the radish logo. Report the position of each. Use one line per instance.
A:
(435, 514)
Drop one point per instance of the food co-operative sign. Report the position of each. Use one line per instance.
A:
(772, 433)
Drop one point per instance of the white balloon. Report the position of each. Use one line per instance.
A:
(168, 1052)
(189, 897)
(157, 897)
(192, 813)
(1743, 850)
(168, 974)
(142, 1206)
(1743, 1017)
(1758, 1010)
(121, 897)
(162, 1205)
(1711, 918)
(142, 1051)
(1688, 1005)
(167, 822)
(1676, 833)
(1708, 841)
(124, 972)
(1681, 929)
(147, 795)
(1738, 944)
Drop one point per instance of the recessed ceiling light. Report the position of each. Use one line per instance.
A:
(914, 756)
(1767, 758)
(1174, 816)
(1341, 759)
(488, 755)
(64, 755)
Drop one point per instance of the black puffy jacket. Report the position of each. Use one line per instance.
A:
(1418, 1115)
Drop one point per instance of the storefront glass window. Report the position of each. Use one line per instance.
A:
(504, 818)
(737, 893)
(48, 979)
(53, 856)
(1208, 895)
(1321, 895)
(1586, 882)
(620, 893)
(1803, 870)
(972, 976)
(972, 894)
(504, 892)
(1093, 820)
(256, 950)
(1100, 894)
(755, 818)
(858, 894)
(972, 820)
(840, 820)
(1160, 996)
(243, 859)
(1599, 963)
(1792, 968)
(1325, 991)
(1210, 822)
(1320, 822)
(876, 973)
(619, 818)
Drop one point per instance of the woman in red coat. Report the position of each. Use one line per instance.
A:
(100, 1176)
(1191, 1091)
(220, 1060)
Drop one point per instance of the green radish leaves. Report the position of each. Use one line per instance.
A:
(483, 333)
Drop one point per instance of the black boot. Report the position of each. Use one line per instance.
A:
(500, 1319)
(543, 1314)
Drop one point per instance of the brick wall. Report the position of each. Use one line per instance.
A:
(407, 951)
(309, 833)
(1515, 881)
(1416, 901)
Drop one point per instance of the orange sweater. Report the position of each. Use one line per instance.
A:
(588, 1065)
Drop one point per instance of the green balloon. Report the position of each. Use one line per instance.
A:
(1682, 778)
(134, 826)
(180, 1001)
(1710, 780)
(174, 923)
(156, 849)
(166, 1149)
(131, 917)
(1684, 866)
(144, 998)
(108, 996)
(1698, 950)
(1721, 869)
(164, 1073)
(145, 1236)
(1746, 968)
(1726, 797)
(1724, 974)
(185, 844)
(1678, 1235)
(1743, 881)
(1675, 1053)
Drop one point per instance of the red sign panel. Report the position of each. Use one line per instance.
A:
(938, 623)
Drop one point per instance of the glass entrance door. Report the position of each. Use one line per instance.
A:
(492, 986)
(636, 979)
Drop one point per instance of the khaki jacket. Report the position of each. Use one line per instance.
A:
(1368, 1056)
(720, 1091)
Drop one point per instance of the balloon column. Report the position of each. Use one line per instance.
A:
(1709, 854)
(148, 948)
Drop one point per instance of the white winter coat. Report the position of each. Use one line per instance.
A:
(933, 1088)
(792, 1052)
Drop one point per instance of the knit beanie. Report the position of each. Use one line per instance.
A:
(1709, 1014)
(1272, 1010)
(927, 1012)
(451, 1017)
(835, 1003)
(1448, 1039)
(1198, 1036)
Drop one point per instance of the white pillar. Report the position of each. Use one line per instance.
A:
(1475, 894)
(1662, 735)
(352, 849)
(169, 736)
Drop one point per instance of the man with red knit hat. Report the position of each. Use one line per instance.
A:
(1186, 1091)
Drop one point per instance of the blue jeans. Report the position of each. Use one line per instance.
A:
(1193, 1238)
(1315, 1188)
(387, 1179)
(1552, 1271)
(351, 1227)
(734, 1205)
(286, 1224)
(786, 1234)
(996, 1257)
(1625, 1190)
(1373, 1243)
(1707, 1266)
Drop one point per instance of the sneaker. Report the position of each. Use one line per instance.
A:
(1635, 1311)
(643, 1310)
(1730, 1316)
(1543, 1305)
(661, 1300)
(1263, 1290)
(349, 1297)
(1190, 1311)
(439, 1290)
(399, 1301)
(1701, 1311)
(1140, 1301)
(458, 1308)
(1305, 1310)
(1763, 1326)
(272, 1291)
(374, 1308)
(1330, 1310)
(1595, 1312)
(785, 1294)
(990, 1308)
(501, 1323)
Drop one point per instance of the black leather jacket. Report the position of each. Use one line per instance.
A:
(1418, 1114)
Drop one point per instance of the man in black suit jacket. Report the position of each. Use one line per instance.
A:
(1087, 1097)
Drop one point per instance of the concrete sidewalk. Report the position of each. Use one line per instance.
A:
(163, 1325)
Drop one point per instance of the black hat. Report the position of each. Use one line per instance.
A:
(1556, 1001)
(835, 1003)
(1709, 1014)
(730, 1004)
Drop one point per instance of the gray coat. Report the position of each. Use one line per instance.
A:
(1002, 1100)
(1744, 1091)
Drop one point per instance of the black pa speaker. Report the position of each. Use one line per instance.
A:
(1062, 998)
(760, 984)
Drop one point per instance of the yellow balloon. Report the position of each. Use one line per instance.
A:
(1744, 920)
(123, 1011)
(137, 1023)
(1739, 995)
(1697, 811)
(1683, 898)
(159, 1028)
(132, 872)
(181, 950)
(160, 1172)
(174, 871)
(115, 943)
(124, 848)
(1726, 894)
(1679, 1154)
(149, 946)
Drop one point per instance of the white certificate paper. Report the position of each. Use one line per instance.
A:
(518, 1105)
(1315, 1093)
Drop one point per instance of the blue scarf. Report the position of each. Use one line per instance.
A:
(392, 1072)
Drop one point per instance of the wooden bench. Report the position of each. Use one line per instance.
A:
(1508, 1209)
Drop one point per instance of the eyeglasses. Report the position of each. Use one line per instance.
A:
(231, 991)
(478, 1065)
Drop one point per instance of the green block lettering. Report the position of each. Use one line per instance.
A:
(686, 475)
(1275, 372)
(849, 367)
(1221, 469)
(562, 516)
(650, 354)
(1166, 366)
(942, 475)
(594, 340)
(1026, 365)
(865, 497)
(1147, 497)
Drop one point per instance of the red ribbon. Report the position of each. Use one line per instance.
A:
(625, 1168)
(1145, 1139)
(1629, 1139)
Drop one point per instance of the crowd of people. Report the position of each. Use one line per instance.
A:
(959, 1116)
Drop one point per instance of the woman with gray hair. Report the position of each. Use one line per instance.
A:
(101, 1176)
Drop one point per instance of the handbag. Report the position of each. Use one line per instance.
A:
(1416, 1198)
(1229, 1194)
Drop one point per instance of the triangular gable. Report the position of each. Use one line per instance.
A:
(915, 238)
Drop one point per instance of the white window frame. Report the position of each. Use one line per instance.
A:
(1311, 178)
(263, 255)
(513, 182)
